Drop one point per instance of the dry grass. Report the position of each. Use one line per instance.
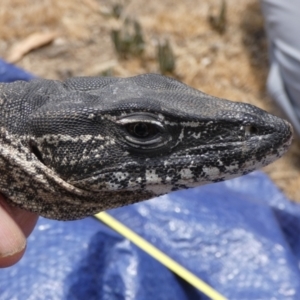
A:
(233, 65)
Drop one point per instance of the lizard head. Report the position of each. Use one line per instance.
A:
(151, 133)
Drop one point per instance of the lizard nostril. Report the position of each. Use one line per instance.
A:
(251, 130)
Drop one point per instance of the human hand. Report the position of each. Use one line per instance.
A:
(15, 225)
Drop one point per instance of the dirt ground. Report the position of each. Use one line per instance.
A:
(231, 65)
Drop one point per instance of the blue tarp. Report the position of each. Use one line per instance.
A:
(239, 236)
(10, 73)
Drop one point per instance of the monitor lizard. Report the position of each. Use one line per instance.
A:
(71, 149)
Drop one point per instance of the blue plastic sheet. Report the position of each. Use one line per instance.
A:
(240, 236)
(10, 73)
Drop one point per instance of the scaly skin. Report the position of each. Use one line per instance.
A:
(71, 149)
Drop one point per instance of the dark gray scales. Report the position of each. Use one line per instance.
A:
(71, 149)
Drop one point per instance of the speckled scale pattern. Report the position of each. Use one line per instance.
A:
(66, 151)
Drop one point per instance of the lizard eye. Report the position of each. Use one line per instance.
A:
(142, 130)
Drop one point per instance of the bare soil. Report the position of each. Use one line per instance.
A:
(232, 65)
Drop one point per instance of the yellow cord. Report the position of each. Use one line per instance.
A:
(160, 256)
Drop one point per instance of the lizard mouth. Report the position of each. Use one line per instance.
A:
(263, 144)
(190, 169)
(194, 166)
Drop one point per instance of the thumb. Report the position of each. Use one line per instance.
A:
(15, 225)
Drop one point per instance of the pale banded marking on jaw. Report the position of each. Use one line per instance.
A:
(186, 174)
(181, 136)
(152, 177)
(84, 138)
(196, 135)
(220, 162)
(211, 172)
(160, 189)
(233, 167)
(195, 124)
(185, 124)
(121, 175)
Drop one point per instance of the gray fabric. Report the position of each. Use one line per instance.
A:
(282, 21)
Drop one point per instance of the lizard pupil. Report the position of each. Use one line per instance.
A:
(142, 130)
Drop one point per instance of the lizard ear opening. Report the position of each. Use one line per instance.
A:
(34, 149)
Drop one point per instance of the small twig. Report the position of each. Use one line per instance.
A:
(128, 40)
(219, 22)
(165, 57)
(33, 41)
